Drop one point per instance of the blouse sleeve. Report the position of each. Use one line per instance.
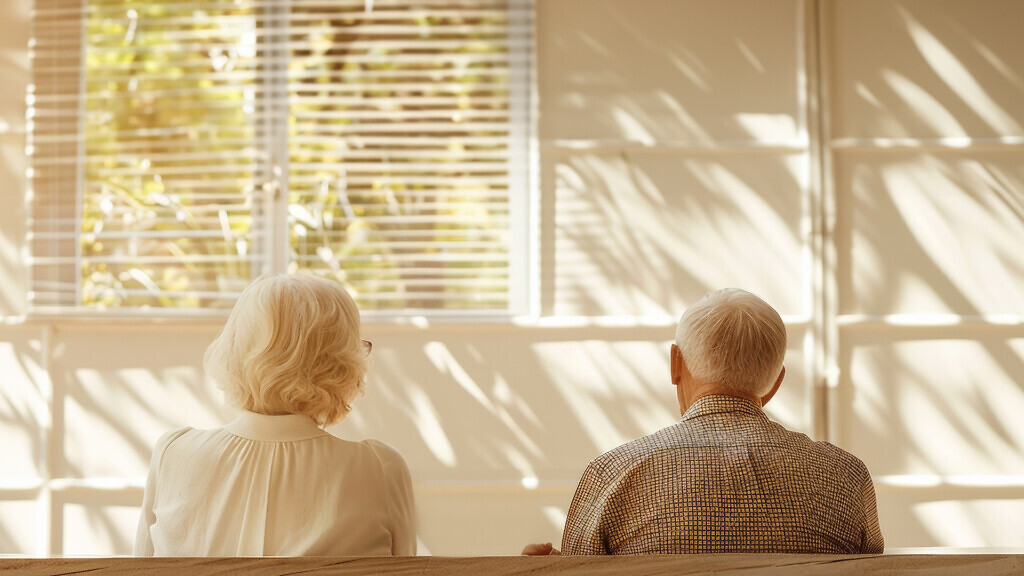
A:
(401, 506)
(143, 538)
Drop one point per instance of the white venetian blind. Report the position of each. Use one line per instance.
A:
(181, 148)
(53, 147)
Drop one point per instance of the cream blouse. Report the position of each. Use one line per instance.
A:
(275, 486)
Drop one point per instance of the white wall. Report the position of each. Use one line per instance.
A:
(927, 139)
(675, 159)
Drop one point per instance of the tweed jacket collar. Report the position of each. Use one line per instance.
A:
(720, 403)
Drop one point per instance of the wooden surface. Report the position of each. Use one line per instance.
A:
(718, 564)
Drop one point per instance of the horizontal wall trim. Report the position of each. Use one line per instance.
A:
(69, 316)
(675, 147)
(97, 484)
(653, 321)
(950, 550)
(953, 481)
(949, 143)
(928, 320)
(203, 318)
(14, 489)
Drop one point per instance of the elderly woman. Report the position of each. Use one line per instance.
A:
(273, 482)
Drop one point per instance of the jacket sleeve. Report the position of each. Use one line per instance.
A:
(583, 533)
(147, 517)
(400, 501)
(872, 541)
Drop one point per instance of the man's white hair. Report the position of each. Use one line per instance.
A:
(732, 338)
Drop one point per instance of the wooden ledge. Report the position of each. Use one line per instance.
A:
(718, 564)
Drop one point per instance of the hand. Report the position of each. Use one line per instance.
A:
(545, 549)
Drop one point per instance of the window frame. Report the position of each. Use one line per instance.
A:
(270, 200)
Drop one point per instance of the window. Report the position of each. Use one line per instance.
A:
(182, 148)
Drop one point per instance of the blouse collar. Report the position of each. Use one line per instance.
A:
(281, 428)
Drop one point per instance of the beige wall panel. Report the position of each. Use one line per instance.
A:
(18, 527)
(647, 234)
(121, 387)
(97, 529)
(931, 233)
(668, 70)
(919, 405)
(24, 411)
(955, 517)
(497, 521)
(793, 405)
(926, 68)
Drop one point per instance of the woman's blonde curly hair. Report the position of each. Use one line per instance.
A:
(291, 346)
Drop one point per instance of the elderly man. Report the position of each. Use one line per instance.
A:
(724, 478)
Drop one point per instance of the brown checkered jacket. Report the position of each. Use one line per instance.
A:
(725, 478)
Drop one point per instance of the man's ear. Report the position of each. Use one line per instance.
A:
(775, 388)
(677, 365)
